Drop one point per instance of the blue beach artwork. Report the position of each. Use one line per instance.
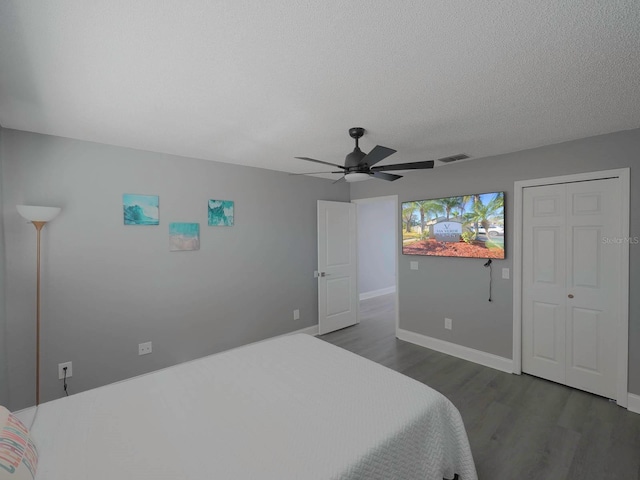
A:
(220, 213)
(184, 236)
(141, 209)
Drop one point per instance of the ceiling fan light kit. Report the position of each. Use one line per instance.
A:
(356, 177)
(359, 166)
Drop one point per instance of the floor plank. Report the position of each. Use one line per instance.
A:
(520, 427)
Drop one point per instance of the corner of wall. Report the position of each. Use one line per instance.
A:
(4, 382)
(634, 403)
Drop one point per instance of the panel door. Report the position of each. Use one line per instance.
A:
(337, 267)
(544, 282)
(594, 229)
(571, 261)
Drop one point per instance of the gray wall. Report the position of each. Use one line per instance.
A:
(457, 287)
(376, 246)
(4, 387)
(107, 287)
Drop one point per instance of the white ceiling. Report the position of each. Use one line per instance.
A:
(259, 82)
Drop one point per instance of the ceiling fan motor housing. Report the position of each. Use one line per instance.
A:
(352, 160)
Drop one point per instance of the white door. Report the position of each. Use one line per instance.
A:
(544, 282)
(571, 276)
(337, 267)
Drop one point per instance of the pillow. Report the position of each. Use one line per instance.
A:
(18, 454)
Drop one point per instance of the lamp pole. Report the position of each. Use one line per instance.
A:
(39, 216)
(39, 226)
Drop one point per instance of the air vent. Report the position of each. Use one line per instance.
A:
(454, 158)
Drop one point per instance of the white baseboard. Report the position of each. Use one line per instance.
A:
(377, 293)
(466, 353)
(633, 404)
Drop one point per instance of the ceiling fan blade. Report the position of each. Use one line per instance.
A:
(319, 161)
(312, 173)
(340, 180)
(376, 155)
(404, 166)
(386, 176)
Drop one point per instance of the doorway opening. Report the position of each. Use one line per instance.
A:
(377, 245)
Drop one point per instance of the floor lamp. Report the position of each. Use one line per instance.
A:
(39, 216)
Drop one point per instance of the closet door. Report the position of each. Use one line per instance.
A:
(571, 262)
(544, 282)
(593, 280)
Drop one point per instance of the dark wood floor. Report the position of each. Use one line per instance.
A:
(519, 426)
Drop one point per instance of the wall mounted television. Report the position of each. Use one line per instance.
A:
(469, 226)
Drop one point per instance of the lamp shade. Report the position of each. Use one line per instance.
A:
(38, 214)
(356, 177)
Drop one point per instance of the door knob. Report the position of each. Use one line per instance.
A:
(571, 295)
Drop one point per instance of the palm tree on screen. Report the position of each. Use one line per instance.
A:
(464, 200)
(450, 203)
(426, 209)
(482, 212)
(476, 201)
(407, 216)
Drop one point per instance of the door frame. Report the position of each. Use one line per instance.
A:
(623, 176)
(393, 198)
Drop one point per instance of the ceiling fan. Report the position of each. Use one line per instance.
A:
(359, 166)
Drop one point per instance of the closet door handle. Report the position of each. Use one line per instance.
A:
(570, 295)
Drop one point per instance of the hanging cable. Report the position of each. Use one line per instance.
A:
(489, 264)
(65, 381)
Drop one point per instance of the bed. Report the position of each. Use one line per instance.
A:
(294, 407)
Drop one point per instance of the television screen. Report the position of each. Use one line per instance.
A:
(464, 226)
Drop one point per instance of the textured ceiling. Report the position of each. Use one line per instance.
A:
(259, 82)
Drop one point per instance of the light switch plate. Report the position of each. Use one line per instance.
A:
(505, 273)
(414, 265)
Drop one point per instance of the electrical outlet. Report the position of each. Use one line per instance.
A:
(144, 348)
(61, 370)
(413, 265)
(296, 314)
(448, 323)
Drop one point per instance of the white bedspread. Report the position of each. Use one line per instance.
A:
(290, 408)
